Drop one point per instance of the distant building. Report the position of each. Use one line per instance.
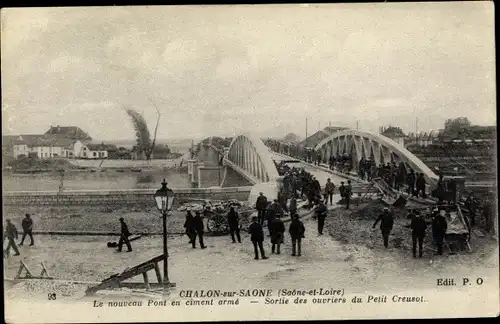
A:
(69, 132)
(8, 142)
(394, 133)
(314, 139)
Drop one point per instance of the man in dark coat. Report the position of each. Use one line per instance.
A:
(188, 225)
(27, 225)
(321, 212)
(441, 190)
(124, 234)
(198, 228)
(277, 230)
(233, 219)
(418, 226)
(293, 205)
(420, 184)
(296, 231)
(342, 190)
(471, 204)
(410, 182)
(261, 206)
(11, 235)
(348, 194)
(257, 237)
(386, 223)
(329, 191)
(439, 227)
(317, 186)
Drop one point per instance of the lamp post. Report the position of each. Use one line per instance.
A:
(164, 198)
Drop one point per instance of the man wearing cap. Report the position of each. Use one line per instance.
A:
(418, 226)
(124, 236)
(257, 237)
(261, 206)
(27, 225)
(386, 223)
(11, 235)
(198, 228)
(321, 211)
(296, 231)
(439, 227)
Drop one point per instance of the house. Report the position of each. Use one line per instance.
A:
(8, 142)
(43, 146)
(394, 133)
(95, 151)
(69, 132)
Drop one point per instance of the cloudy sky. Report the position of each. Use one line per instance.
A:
(228, 69)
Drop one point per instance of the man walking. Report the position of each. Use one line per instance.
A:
(257, 237)
(27, 225)
(277, 230)
(198, 228)
(321, 212)
(329, 191)
(439, 227)
(233, 219)
(386, 223)
(261, 206)
(188, 225)
(418, 227)
(11, 235)
(124, 236)
(296, 231)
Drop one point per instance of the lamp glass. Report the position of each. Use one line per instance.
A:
(164, 200)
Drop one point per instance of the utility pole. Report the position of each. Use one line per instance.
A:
(357, 125)
(306, 127)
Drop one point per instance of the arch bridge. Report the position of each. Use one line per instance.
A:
(379, 148)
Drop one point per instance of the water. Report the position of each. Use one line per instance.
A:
(95, 180)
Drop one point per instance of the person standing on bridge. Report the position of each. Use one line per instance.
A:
(386, 223)
(321, 212)
(261, 206)
(329, 191)
(297, 231)
(257, 237)
(124, 234)
(27, 225)
(199, 229)
(11, 235)
(233, 219)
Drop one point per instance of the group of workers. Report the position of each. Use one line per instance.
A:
(11, 234)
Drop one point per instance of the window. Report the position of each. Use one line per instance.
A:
(95, 153)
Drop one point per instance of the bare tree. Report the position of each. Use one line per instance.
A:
(145, 145)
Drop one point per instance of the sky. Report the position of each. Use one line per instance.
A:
(225, 70)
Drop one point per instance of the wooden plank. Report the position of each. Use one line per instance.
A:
(146, 280)
(44, 270)
(158, 273)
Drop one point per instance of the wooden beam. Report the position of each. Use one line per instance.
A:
(158, 273)
(146, 280)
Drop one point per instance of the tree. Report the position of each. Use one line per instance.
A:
(145, 145)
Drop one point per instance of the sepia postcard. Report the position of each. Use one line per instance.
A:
(249, 162)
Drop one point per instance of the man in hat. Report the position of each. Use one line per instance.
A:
(257, 237)
(296, 231)
(418, 226)
(11, 235)
(386, 223)
(348, 194)
(261, 206)
(321, 212)
(124, 234)
(198, 228)
(439, 227)
(277, 229)
(233, 219)
(27, 225)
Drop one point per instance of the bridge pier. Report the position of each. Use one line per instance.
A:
(210, 176)
(194, 173)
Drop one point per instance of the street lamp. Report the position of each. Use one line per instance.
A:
(164, 197)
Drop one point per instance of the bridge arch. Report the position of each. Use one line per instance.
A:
(366, 144)
(248, 155)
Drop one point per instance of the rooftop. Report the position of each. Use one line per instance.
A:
(73, 132)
